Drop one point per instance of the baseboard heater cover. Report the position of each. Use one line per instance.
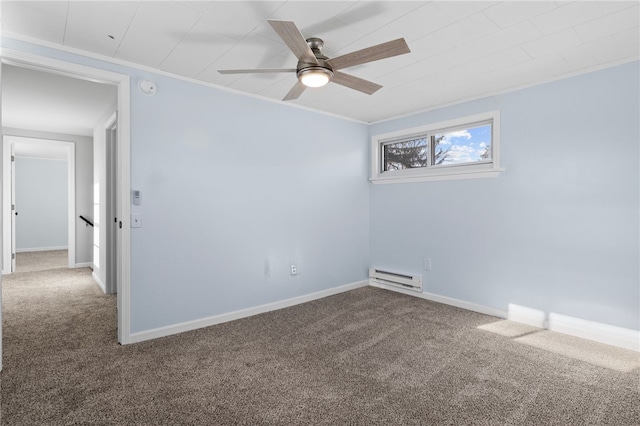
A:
(408, 282)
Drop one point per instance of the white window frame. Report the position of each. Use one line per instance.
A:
(484, 169)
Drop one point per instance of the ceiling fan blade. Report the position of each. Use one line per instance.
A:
(295, 91)
(370, 54)
(257, 71)
(291, 35)
(355, 83)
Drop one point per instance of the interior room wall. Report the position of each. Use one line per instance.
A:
(558, 231)
(42, 204)
(234, 191)
(84, 184)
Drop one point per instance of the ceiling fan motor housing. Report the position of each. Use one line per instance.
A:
(316, 45)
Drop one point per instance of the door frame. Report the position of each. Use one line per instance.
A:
(8, 182)
(123, 84)
(10, 191)
(111, 204)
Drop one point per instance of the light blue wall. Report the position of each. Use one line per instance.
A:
(234, 190)
(42, 203)
(558, 231)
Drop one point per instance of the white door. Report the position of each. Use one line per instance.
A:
(14, 212)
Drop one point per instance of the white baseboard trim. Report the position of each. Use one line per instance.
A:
(84, 265)
(604, 333)
(243, 313)
(26, 250)
(596, 331)
(99, 282)
(446, 300)
(590, 330)
(524, 315)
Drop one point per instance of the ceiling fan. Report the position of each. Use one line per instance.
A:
(315, 69)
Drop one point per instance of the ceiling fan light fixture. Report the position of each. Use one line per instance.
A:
(315, 76)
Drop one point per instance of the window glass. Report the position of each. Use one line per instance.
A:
(409, 154)
(463, 146)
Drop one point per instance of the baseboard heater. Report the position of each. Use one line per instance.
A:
(408, 282)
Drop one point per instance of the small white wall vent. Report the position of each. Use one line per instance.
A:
(408, 282)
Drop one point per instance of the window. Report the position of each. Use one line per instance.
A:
(456, 149)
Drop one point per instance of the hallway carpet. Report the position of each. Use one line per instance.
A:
(41, 260)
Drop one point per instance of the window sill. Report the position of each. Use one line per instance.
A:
(439, 175)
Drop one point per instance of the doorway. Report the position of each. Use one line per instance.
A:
(37, 233)
(122, 180)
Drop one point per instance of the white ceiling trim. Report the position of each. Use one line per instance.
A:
(128, 64)
(459, 49)
(116, 61)
(509, 90)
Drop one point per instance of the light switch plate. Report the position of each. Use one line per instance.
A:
(136, 221)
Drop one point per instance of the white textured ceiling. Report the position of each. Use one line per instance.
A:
(459, 50)
(36, 100)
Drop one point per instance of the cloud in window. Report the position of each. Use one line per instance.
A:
(459, 134)
(449, 138)
(461, 154)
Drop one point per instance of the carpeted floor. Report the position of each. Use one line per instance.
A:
(366, 357)
(41, 260)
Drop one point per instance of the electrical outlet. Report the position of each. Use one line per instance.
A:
(427, 264)
(294, 269)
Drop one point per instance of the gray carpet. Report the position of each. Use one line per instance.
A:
(366, 357)
(41, 260)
